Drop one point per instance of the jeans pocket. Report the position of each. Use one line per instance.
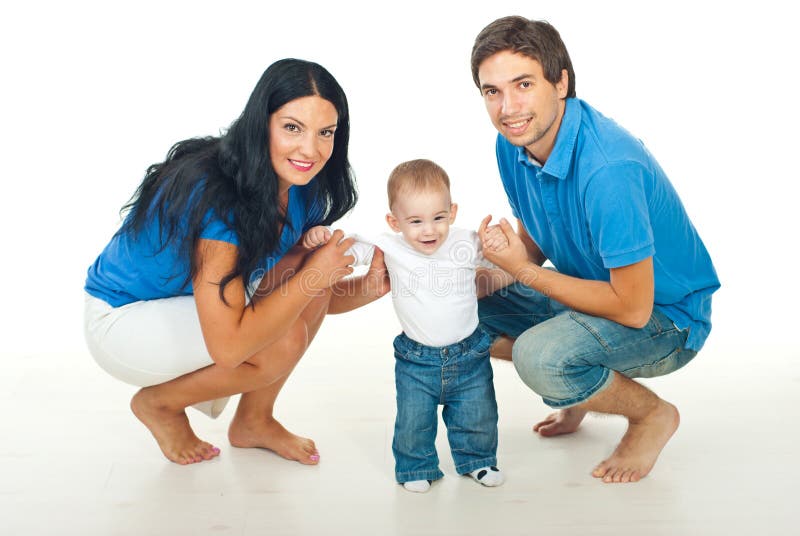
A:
(663, 366)
(658, 324)
(481, 347)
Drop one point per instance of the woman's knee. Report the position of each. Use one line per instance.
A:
(279, 358)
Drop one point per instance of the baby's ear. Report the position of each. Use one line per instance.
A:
(392, 221)
(453, 212)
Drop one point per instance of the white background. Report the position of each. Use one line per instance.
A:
(94, 92)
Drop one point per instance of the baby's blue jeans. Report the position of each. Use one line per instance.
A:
(459, 377)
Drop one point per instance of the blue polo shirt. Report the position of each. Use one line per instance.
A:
(131, 268)
(601, 201)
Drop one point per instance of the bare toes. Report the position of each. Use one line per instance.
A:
(600, 471)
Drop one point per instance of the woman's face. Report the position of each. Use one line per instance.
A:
(301, 139)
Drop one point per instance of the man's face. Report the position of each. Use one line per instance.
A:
(523, 106)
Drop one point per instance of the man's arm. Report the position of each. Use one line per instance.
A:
(534, 253)
(626, 299)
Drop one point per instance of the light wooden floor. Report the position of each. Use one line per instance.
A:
(73, 460)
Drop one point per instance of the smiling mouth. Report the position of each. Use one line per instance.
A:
(301, 165)
(518, 125)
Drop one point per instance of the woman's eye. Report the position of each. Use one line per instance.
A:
(327, 133)
(291, 127)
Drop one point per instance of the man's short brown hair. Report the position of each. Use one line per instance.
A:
(536, 39)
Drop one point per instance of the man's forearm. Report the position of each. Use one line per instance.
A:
(597, 298)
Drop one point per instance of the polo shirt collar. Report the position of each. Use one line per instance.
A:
(558, 163)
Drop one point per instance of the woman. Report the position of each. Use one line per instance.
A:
(176, 303)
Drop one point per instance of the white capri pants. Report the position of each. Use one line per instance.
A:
(149, 342)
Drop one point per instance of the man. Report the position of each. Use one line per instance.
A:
(630, 295)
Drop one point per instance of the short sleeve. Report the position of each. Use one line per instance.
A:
(362, 249)
(315, 210)
(214, 228)
(618, 216)
(480, 260)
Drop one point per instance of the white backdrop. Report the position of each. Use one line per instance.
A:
(92, 93)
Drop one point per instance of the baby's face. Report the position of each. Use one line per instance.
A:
(423, 218)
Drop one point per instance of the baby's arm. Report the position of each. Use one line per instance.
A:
(316, 236)
(488, 277)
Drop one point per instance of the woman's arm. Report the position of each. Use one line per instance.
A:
(234, 332)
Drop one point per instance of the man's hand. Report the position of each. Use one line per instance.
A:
(495, 239)
(511, 257)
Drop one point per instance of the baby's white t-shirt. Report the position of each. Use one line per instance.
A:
(434, 295)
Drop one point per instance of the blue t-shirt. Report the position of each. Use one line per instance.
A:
(131, 268)
(601, 201)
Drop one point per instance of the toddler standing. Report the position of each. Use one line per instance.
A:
(442, 357)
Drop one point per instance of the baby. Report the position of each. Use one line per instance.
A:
(442, 357)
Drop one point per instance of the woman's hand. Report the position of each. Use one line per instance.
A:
(377, 277)
(502, 246)
(328, 264)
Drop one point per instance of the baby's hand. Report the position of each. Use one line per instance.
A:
(316, 237)
(495, 239)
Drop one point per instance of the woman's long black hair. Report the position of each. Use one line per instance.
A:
(231, 176)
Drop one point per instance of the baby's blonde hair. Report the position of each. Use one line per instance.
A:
(414, 176)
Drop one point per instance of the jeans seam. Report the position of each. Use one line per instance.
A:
(574, 316)
(609, 348)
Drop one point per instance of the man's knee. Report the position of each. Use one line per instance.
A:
(540, 363)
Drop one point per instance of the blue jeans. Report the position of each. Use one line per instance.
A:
(459, 377)
(566, 356)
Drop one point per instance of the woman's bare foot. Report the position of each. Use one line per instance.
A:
(564, 421)
(638, 451)
(171, 430)
(271, 435)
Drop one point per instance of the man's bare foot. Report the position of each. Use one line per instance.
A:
(171, 430)
(638, 451)
(271, 435)
(564, 421)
